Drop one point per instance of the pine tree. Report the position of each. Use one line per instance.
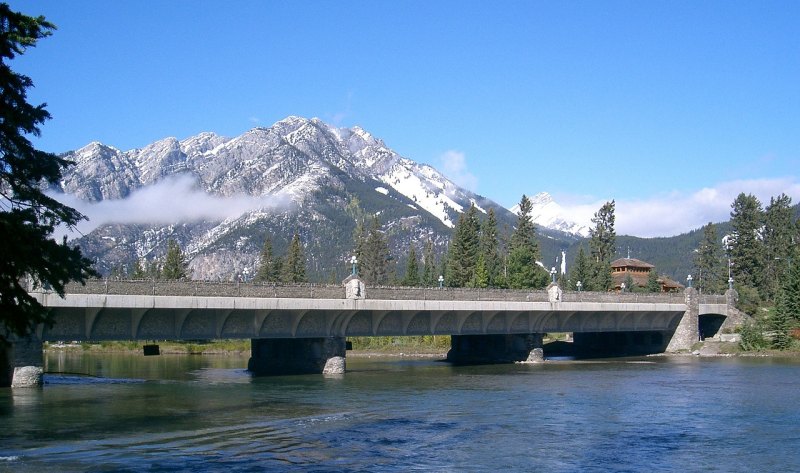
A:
(652, 281)
(481, 276)
(708, 262)
(629, 284)
(602, 245)
(746, 247)
(266, 268)
(464, 249)
(411, 277)
(777, 237)
(138, 270)
(523, 272)
(490, 249)
(429, 265)
(580, 271)
(374, 259)
(28, 216)
(294, 269)
(781, 323)
(175, 265)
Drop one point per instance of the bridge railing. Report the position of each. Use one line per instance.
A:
(331, 291)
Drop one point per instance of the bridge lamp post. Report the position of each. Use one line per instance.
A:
(579, 285)
(553, 274)
(622, 287)
(354, 262)
(441, 281)
(730, 283)
(689, 280)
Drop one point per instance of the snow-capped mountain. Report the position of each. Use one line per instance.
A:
(326, 178)
(547, 213)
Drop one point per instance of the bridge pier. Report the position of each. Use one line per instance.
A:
(487, 349)
(21, 363)
(283, 356)
(688, 331)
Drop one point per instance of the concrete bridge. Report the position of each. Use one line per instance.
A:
(303, 328)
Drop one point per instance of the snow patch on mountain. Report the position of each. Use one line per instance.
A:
(547, 213)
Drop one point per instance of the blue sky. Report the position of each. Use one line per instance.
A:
(670, 108)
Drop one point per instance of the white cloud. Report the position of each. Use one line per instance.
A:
(675, 212)
(454, 166)
(169, 201)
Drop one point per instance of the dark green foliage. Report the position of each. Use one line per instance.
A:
(138, 271)
(523, 272)
(411, 277)
(490, 251)
(708, 264)
(629, 285)
(746, 248)
(372, 250)
(652, 281)
(781, 323)
(294, 269)
(602, 243)
(464, 248)
(175, 265)
(28, 216)
(429, 266)
(777, 237)
(579, 271)
(752, 334)
(266, 269)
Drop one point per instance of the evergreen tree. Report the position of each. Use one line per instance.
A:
(746, 247)
(138, 270)
(602, 245)
(523, 272)
(294, 269)
(266, 268)
(781, 323)
(652, 281)
(777, 237)
(28, 216)
(412, 268)
(629, 284)
(429, 266)
(490, 250)
(374, 259)
(481, 276)
(277, 269)
(464, 249)
(175, 265)
(580, 271)
(708, 263)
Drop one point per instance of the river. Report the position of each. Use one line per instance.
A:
(175, 413)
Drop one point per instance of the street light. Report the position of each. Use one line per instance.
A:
(354, 261)
(689, 280)
(553, 274)
(622, 287)
(579, 285)
(730, 282)
(441, 281)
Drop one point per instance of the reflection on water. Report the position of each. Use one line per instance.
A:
(200, 413)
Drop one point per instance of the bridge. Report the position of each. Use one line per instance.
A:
(303, 328)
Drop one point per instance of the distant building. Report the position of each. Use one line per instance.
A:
(639, 271)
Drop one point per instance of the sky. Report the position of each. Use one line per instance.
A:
(670, 108)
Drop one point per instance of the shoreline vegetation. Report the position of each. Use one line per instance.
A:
(418, 346)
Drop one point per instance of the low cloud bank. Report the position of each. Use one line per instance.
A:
(676, 212)
(173, 200)
(454, 165)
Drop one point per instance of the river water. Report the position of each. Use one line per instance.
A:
(205, 413)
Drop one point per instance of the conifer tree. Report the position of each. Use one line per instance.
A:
(629, 284)
(708, 262)
(429, 265)
(138, 270)
(411, 277)
(28, 216)
(481, 276)
(175, 265)
(777, 233)
(374, 258)
(746, 246)
(523, 272)
(464, 249)
(294, 269)
(652, 281)
(490, 249)
(602, 245)
(781, 322)
(266, 268)
(580, 271)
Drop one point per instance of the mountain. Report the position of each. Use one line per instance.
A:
(548, 214)
(299, 175)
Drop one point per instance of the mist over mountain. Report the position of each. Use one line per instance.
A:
(221, 197)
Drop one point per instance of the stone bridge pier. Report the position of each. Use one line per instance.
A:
(485, 349)
(282, 356)
(21, 363)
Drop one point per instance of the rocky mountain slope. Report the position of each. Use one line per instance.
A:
(300, 175)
